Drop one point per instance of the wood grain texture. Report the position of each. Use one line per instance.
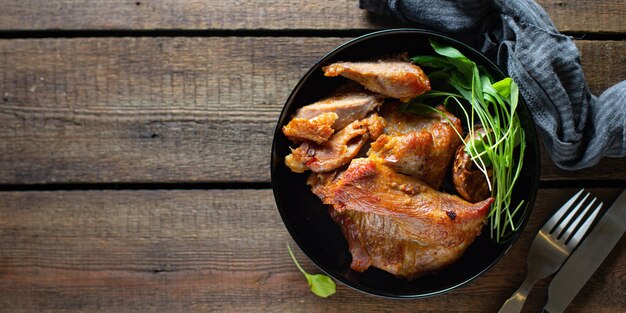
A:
(603, 63)
(587, 15)
(568, 15)
(174, 109)
(218, 251)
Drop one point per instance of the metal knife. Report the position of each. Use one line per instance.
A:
(587, 258)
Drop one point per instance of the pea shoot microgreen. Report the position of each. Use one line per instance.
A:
(321, 285)
(493, 106)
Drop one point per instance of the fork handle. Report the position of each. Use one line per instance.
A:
(516, 302)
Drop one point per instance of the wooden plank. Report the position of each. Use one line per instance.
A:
(568, 15)
(218, 250)
(602, 66)
(587, 15)
(173, 109)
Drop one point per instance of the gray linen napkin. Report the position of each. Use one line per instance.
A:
(577, 127)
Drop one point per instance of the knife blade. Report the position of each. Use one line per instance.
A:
(587, 258)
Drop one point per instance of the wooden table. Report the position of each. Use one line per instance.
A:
(134, 157)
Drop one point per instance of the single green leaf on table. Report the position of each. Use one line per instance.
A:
(321, 285)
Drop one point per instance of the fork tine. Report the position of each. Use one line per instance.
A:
(583, 229)
(561, 229)
(557, 216)
(565, 222)
(569, 230)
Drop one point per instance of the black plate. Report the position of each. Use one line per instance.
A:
(307, 219)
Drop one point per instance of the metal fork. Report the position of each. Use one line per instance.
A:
(552, 246)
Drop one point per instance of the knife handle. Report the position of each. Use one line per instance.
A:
(516, 302)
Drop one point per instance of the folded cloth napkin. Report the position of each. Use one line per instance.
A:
(577, 127)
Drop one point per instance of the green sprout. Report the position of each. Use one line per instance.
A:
(321, 285)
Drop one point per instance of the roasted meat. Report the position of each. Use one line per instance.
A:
(338, 150)
(388, 205)
(396, 222)
(468, 180)
(416, 144)
(350, 102)
(393, 78)
(404, 122)
(317, 129)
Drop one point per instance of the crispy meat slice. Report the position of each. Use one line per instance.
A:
(375, 126)
(418, 145)
(468, 180)
(317, 129)
(396, 222)
(338, 150)
(400, 123)
(350, 102)
(390, 77)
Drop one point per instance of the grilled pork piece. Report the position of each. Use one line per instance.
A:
(396, 222)
(350, 103)
(416, 144)
(391, 77)
(468, 180)
(338, 150)
(317, 129)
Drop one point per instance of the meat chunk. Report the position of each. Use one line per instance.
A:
(350, 103)
(418, 145)
(396, 222)
(338, 150)
(468, 180)
(400, 123)
(391, 77)
(317, 129)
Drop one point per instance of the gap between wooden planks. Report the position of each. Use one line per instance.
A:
(218, 250)
(604, 16)
(101, 110)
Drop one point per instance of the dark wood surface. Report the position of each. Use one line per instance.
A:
(134, 157)
(87, 109)
(205, 250)
(606, 16)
